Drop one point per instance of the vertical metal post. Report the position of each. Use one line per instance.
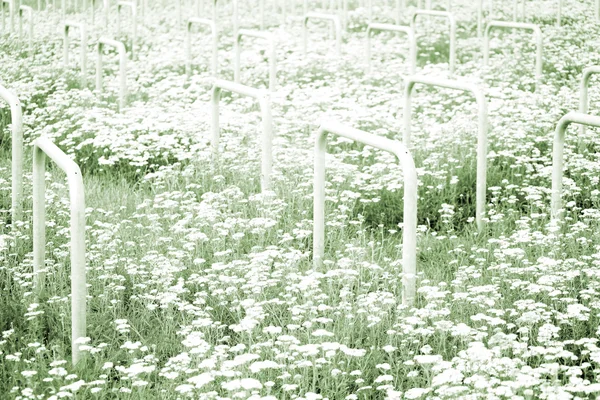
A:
(17, 153)
(583, 92)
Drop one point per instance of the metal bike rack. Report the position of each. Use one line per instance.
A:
(482, 117)
(133, 6)
(409, 246)
(537, 32)
(267, 124)
(11, 13)
(452, 21)
(585, 83)
(394, 28)
(16, 117)
(272, 55)
(515, 9)
(29, 11)
(105, 11)
(43, 147)
(122, 68)
(188, 44)
(338, 30)
(557, 153)
(83, 32)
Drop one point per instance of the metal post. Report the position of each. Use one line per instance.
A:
(559, 13)
(83, 32)
(557, 154)
(584, 85)
(272, 55)
(44, 147)
(133, 7)
(482, 117)
(122, 68)
(338, 30)
(215, 43)
(537, 32)
(29, 11)
(394, 28)
(16, 117)
(452, 21)
(267, 124)
(409, 246)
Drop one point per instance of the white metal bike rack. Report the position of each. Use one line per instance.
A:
(394, 28)
(83, 42)
(267, 124)
(122, 68)
(43, 147)
(409, 246)
(188, 44)
(482, 140)
(133, 6)
(452, 21)
(11, 13)
(516, 7)
(272, 55)
(16, 116)
(558, 150)
(537, 32)
(584, 86)
(105, 11)
(338, 30)
(29, 11)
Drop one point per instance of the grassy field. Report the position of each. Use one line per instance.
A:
(201, 287)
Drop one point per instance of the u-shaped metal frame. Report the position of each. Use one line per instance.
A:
(409, 246)
(452, 21)
(16, 116)
(11, 14)
(482, 140)
(43, 147)
(122, 68)
(272, 55)
(29, 11)
(338, 30)
(558, 153)
(583, 92)
(267, 124)
(394, 28)
(537, 32)
(83, 32)
(133, 6)
(188, 44)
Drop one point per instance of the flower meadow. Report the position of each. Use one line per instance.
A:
(202, 287)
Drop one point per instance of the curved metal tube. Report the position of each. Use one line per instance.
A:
(122, 68)
(452, 21)
(133, 6)
(267, 124)
(537, 32)
(188, 44)
(394, 28)
(272, 55)
(558, 153)
(409, 246)
(16, 116)
(338, 30)
(67, 26)
(583, 89)
(43, 147)
(482, 141)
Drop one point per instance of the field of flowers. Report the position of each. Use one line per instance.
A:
(202, 287)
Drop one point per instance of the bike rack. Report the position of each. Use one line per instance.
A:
(452, 20)
(43, 147)
(557, 153)
(482, 140)
(11, 13)
(515, 9)
(105, 11)
(133, 7)
(338, 30)
(83, 32)
(267, 124)
(16, 117)
(122, 68)
(272, 55)
(29, 11)
(537, 32)
(188, 44)
(409, 245)
(585, 82)
(394, 28)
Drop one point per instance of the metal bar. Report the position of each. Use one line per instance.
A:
(452, 21)
(584, 86)
(43, 147)
(83, 32)
(557, 154)
(338, 29)
(537, 32)
(267, 124)
(409, 246)
(29, 11)
(133, 7)
(17, 153)
(122, 68)
(215, 44)
(482, 141)
(394, 28)
(272, 55)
